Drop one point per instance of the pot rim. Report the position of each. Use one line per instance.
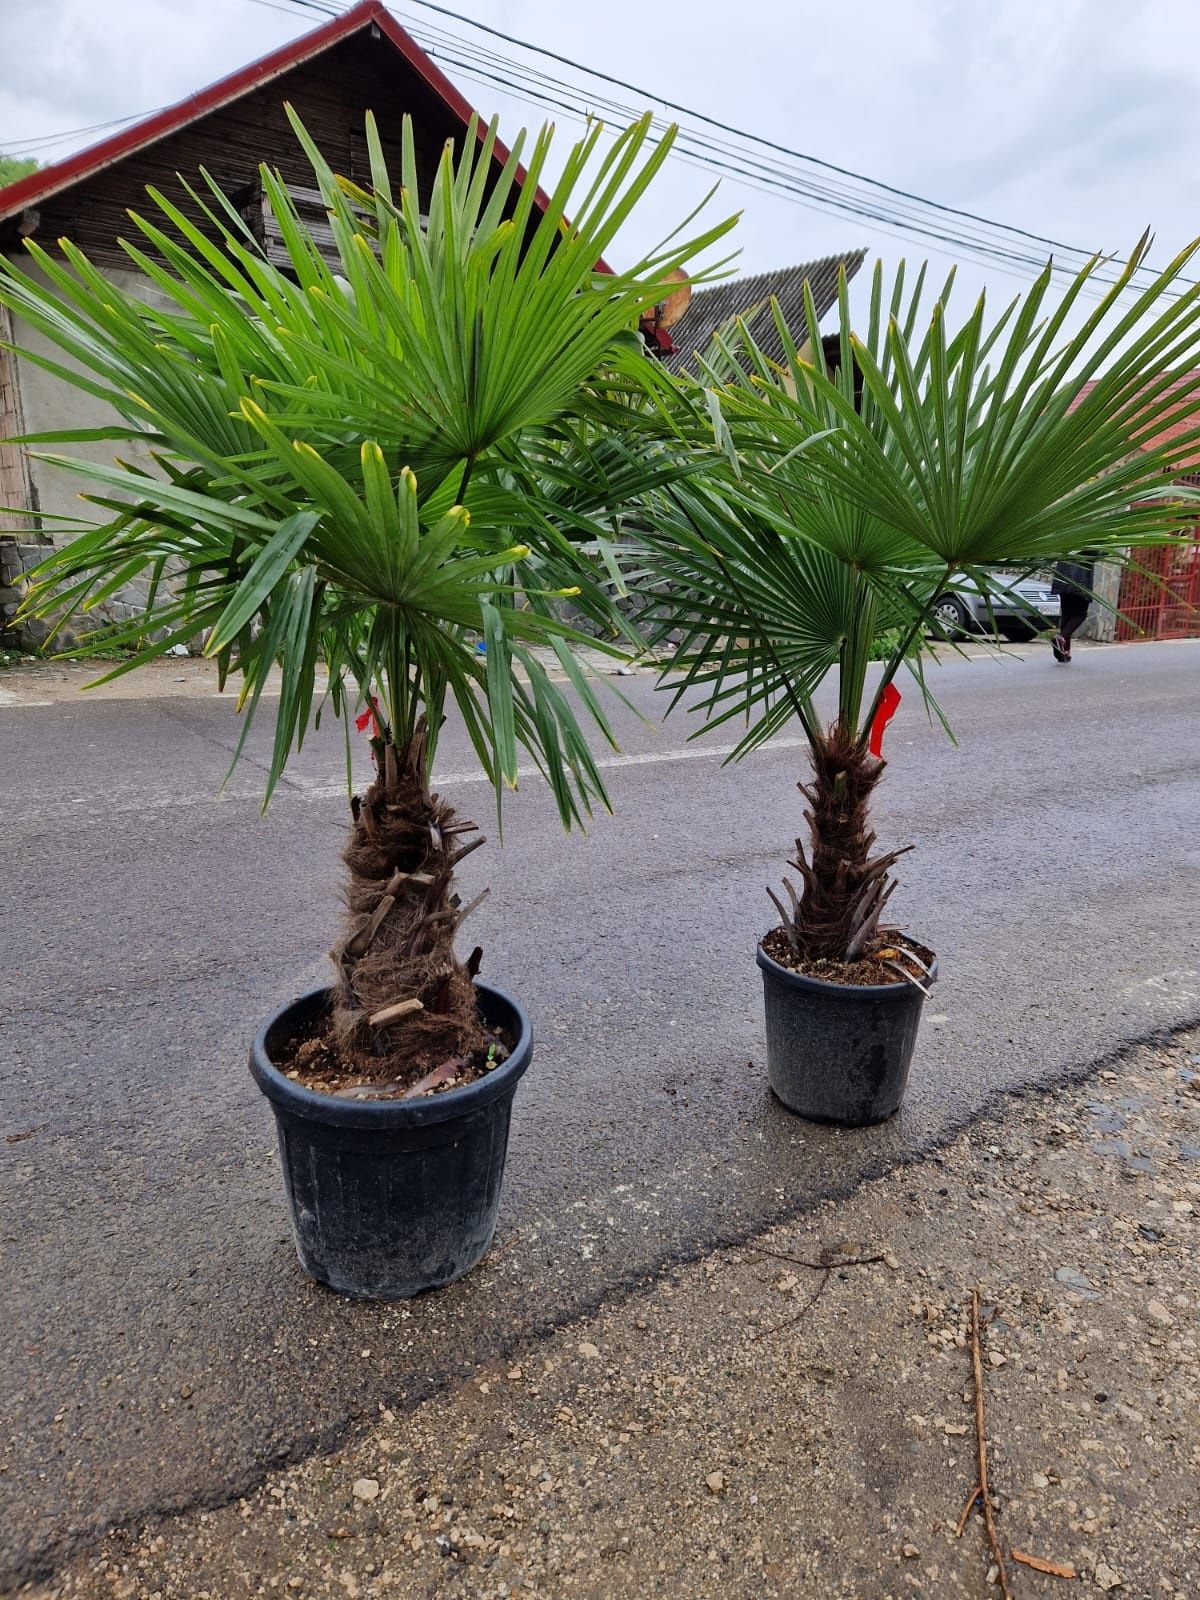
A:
(383, 1114)
(872, 991)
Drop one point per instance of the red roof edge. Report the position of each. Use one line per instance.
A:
(51, 180)
(61, 175)
(441, 85)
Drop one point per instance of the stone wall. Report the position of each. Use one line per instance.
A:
(1101, 623)
(17, 557)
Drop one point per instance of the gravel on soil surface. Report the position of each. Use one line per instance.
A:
(764, 1423)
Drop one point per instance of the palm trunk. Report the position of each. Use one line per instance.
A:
(404, 1000)
(844, 888)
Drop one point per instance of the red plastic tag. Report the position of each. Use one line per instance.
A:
(888, 702)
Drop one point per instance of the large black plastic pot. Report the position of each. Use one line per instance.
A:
(389, 1197)
(838, 1052)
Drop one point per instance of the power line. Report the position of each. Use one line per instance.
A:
(700, 151)
(901, 214)
(770, 144)
(697, 151)
(16, 147)
(319, 6)
(271, 5)
(829, 188)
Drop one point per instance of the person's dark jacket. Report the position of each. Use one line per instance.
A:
(1073, 577)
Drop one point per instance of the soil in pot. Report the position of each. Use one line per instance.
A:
(870, 969)
(390, 1196)
(314, 1059)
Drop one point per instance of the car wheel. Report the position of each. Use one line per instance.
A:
(951, 616)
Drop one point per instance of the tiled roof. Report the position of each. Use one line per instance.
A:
(1185, 387)
(711, 309)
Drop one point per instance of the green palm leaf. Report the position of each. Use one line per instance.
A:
(372, 460)
(968, 451)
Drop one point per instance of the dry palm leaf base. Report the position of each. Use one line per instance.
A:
(831, 927)
(404, 1019)
(888, 957)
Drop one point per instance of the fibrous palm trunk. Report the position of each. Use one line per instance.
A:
(404, 1000)
(843, 887)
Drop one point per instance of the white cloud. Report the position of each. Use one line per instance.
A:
(1076, 120)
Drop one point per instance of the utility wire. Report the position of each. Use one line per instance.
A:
(709, 152)
(691, 147)
(272, 5)
(754, 138)
(892, 211)
(895, 212)
(749, 171)
(20, 147)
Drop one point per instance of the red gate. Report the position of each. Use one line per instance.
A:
(1160, 594)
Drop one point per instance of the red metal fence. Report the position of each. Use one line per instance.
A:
(1160, 594)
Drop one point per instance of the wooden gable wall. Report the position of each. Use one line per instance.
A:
(332, 93)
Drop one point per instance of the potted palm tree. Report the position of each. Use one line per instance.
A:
(857, 490)
(388, 469)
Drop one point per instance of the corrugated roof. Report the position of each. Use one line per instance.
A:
(711, 309)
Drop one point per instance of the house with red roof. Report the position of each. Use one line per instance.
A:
(361, 60)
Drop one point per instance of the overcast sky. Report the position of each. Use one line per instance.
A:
(1076, 119)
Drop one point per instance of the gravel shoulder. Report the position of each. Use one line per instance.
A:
(35, 681)
(754, 1424)
(27, 680)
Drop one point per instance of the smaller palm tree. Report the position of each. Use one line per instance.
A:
(373, 468)
(855, 495)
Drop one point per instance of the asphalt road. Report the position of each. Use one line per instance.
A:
(160, 1345)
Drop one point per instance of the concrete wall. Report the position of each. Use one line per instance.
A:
(21, 545)
(35, 401)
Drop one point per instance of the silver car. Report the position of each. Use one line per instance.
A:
(1019, 609)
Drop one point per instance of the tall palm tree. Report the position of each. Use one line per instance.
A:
(855, 494)
(374, 467)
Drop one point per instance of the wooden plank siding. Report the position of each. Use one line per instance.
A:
(332, 94)
(310, 207)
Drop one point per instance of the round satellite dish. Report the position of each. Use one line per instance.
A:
(676, 303)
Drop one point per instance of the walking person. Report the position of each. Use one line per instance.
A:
(1072, 584)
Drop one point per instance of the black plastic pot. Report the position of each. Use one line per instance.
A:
(389, 1197)
(838, 1052)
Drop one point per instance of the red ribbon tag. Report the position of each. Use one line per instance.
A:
(888, 702)
(368, 716)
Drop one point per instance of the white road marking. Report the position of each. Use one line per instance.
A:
(240, 791)
(643, 758)
(1177, 985)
